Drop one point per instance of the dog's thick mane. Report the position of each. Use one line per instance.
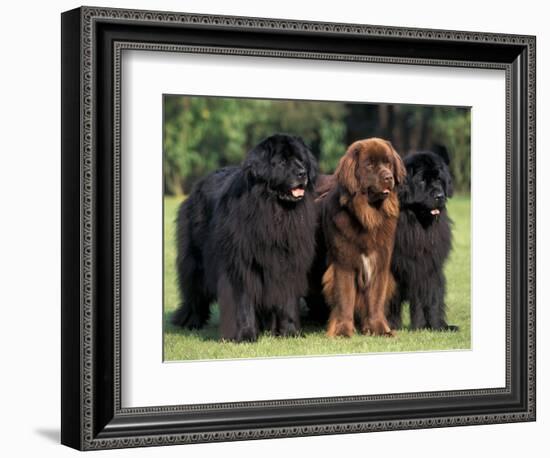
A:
(369, 216)
(259, 210)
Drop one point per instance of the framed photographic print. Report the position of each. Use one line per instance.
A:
(276, 228)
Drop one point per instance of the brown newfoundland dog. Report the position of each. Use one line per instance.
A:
(359, 217)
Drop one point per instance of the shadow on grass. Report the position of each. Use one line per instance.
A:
(210, 332)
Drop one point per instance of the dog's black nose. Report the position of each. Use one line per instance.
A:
(439, 196)
(301, 174)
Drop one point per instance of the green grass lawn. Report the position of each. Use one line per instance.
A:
(181, 344)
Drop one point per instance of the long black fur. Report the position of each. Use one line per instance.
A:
(245, 241)
(422, 243)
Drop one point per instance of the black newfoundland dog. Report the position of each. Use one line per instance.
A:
(246, 238)
(422, 242)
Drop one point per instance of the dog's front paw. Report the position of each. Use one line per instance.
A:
(377, 327)
(340, 328)
(395, 323)
(246, 334)
(443, 326)
(289, 330)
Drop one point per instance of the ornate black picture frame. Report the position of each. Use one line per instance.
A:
(92, 42)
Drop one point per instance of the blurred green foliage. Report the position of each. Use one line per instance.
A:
(453, 131)
(202, 134)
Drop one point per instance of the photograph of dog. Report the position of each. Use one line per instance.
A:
(295, 227)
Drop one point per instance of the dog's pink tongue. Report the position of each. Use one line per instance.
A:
(435, 211)
(297, 192)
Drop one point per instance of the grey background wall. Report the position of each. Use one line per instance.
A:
(30, 230)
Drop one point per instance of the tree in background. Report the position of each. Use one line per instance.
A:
(202, 134)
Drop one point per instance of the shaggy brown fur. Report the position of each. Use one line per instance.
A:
(359, 218)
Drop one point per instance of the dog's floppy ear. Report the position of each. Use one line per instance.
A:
(405, 190)
(256, 164)
(449, 188)
(345, 172)
(311, 162)
(442, 152)
(399, 170)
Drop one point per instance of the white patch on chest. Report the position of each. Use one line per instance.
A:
(367, 266)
